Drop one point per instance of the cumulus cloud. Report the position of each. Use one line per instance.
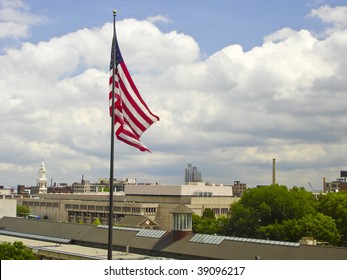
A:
(15, 19)
(337, 16)
(230, 113)
(158, 18)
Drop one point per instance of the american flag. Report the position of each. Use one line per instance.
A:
(132, 115)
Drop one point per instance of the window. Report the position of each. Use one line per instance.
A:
(150, 210)
(126, 209)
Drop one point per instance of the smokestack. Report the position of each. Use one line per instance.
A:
(324, 185)
(273, 171)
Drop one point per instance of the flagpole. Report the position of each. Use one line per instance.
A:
(110, 211)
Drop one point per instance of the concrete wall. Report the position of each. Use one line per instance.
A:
(183, 190)
(8, 207)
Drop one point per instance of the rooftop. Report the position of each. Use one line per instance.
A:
(138, 243)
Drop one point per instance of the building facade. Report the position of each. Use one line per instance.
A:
(150, 201)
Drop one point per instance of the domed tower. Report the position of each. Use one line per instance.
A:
(42, 180)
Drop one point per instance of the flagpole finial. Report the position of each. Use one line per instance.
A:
(114, 12)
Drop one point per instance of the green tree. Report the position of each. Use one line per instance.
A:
(268, 205)
(208, 223)
(208, 214)
(97, 222)
(243, 221)
(319, 226)
(22, 210)
(15, 251)
(335, 206)
(222, 223)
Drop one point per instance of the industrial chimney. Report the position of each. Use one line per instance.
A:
(273, 171)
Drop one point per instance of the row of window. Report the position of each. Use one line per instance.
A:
(40, 204)
(87, 214)
(220, 211)
(150, 210)
(120, 209)
(182, 222)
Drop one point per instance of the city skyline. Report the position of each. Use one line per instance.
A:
(235, 84)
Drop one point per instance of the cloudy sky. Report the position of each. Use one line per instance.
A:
(235, 84)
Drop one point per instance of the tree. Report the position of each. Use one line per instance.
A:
(15, 251)
(244, 221)
(22, 210)
(268, 205)
(209, 223)
(319, 226)
(335, 206)
(97, 222)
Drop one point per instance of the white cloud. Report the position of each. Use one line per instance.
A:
(337, 16)
(158, 18)
(230, 113)
(16, 19)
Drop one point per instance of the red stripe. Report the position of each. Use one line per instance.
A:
(136, 92)
(135, 106)
(139, 145)
(141, 148)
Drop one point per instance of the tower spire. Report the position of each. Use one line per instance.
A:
(42, 180)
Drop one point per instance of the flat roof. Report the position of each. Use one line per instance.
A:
(91, 241)
(70, 251)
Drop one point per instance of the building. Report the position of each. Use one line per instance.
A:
(239, 188)
(85, 186)
(60, 188)
(192, 174)
(8, 206)
(155, 202)
(340, 184)
(53, 240)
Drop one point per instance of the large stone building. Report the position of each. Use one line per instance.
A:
(154, 202)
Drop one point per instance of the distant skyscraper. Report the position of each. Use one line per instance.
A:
(192, 174)
(42, 180)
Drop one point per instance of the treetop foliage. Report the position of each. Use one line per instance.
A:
(15, 251)
(278, 213)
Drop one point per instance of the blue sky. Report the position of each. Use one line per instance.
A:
(235, 84)
(214, 24)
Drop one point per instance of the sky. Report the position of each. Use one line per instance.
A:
(235, 83)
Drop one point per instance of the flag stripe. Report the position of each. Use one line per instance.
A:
(134, 102)
(136, 97)
(124, 133)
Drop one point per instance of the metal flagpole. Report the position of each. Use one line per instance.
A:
(110, 211)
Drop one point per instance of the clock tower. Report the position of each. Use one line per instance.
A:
(42, 180)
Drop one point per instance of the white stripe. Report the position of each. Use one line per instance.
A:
(136, 100)
(132, 125)
(131, 140)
